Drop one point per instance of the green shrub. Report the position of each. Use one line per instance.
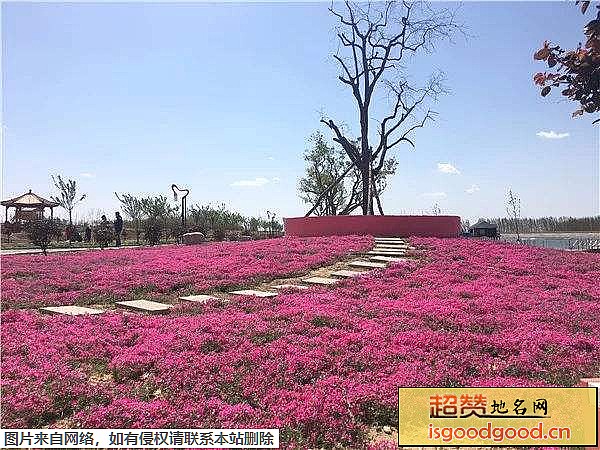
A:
(41, 232)
(104, 234)
(152, 231)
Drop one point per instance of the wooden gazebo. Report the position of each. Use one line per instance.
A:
(29, 206)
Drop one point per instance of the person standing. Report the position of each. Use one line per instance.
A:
(118, 224)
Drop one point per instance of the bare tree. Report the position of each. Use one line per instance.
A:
(375, 40)
(68, 195)
(513, 208)
(132, 206)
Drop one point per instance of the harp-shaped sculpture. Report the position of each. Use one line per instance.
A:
(183, 204)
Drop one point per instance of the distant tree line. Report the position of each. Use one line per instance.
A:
(155, 217)
(547, 224)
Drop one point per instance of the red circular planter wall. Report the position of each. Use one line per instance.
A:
(432, 226)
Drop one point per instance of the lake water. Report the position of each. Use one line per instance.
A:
(562, 242)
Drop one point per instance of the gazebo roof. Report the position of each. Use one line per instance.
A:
(484, 224)
(29, 200)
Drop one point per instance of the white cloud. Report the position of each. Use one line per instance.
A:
(551, 135)
(435, 194)
(87, 175)
(474, 188)
(447, 168)
(257, 182)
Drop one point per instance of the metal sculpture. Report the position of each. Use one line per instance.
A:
(176, 189)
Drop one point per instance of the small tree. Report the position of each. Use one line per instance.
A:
(158, 211)
(324, 165)
(41, 232)
(273, 225)
(333, 185)
(132, 207)
(513, 208)
(68, 195)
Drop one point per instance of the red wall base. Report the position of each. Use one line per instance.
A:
(431, 226)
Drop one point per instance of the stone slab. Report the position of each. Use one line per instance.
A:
(254, 293)
(368, 264)
(145, 306)
(290, 286)
(193, 238)
(386, 252)
(71, 310)
(320, 280)
(346, 273)
(198, 298)
(390, 255)
(388, 259)
(391, 245)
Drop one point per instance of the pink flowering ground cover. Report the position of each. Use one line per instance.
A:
(83, 277)
(322, 365)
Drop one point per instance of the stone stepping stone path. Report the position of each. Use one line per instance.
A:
(145, 306)
(198, 298)
(368, 264)
(320, 280)
(71, 310)
(388, 259)
(346, 273)
(385, 250)
(290, 286)
(254, 293)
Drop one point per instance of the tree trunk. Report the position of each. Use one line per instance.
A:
(379, 207)
(70, 227)
(331, 186)
(376, 195)
(366, 185)
(365, 155)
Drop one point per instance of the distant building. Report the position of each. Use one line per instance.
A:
(484, 229)
(29, 206)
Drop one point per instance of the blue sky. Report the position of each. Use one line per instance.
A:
(221, 98)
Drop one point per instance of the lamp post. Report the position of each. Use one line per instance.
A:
(183, 203)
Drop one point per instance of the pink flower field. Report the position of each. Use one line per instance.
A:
(91, 276)
(321, 365)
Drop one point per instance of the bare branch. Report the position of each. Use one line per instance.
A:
(348, 146)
